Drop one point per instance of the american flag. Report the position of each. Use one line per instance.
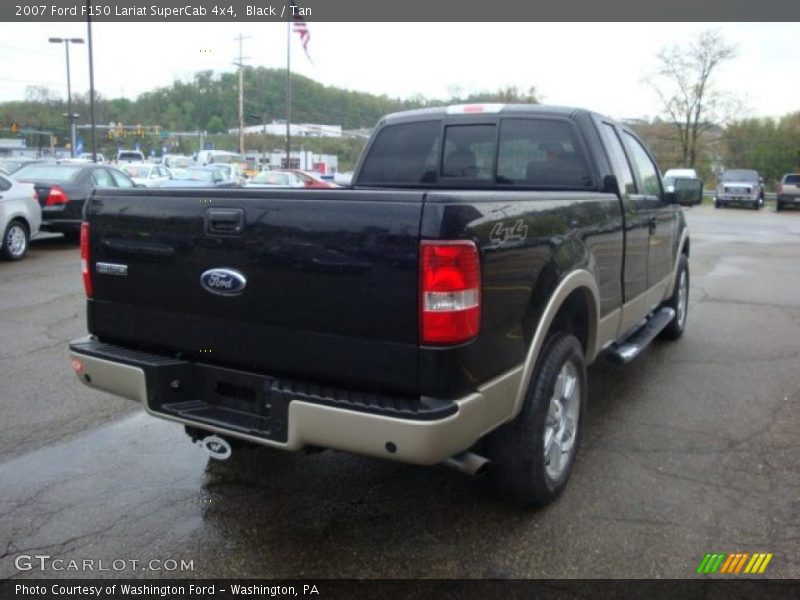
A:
(300, 28)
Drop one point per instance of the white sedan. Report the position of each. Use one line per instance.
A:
(20, 217)
(147, 175)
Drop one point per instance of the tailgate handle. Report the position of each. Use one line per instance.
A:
(225, 221)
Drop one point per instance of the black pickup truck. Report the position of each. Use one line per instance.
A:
(443, 309)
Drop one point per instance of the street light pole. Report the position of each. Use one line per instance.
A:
(70, 115)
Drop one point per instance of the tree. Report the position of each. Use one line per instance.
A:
(216, 125)
(684, 82)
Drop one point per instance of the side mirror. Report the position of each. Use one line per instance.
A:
(687, 192)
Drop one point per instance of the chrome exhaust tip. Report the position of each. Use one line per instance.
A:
(468, 463)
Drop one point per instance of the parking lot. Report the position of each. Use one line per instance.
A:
(691, 449)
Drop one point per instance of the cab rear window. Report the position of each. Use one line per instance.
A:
(514, 152)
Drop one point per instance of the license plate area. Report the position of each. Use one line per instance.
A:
(224, 398)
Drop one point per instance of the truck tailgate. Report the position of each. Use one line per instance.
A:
(331, 279)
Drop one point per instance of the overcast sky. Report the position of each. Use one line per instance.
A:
(593, 65)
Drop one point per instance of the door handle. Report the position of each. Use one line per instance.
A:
(225, 221)
(652, 223)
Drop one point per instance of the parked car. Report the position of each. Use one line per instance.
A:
(62, 190)
(231, 173)
(740, 186)
(308, 179)
(672, 174)
(788, 191)
(147, 175)
(199, 177)
(443, 309)
(267, 179)
(20, 217)
(88, 156)
(130, 156)
(176, 161)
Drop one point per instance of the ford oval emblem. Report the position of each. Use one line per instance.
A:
(223, 282)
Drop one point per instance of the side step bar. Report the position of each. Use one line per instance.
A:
(629, 348)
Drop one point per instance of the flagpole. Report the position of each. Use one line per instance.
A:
(288, 89)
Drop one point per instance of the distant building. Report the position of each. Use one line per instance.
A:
(326, 164)
(278, 127)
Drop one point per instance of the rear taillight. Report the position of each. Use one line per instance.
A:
(780, 188)
(450, 292)
(56, 196)
(86, 260)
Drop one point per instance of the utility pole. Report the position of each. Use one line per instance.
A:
(240, 64)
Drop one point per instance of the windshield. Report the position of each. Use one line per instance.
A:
(740, 175)
(178, 161)
(131, 156)
(9, 166)
(48, 172)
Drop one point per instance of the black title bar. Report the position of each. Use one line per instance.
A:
(398, 10)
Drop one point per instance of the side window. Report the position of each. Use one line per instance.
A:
(121, 179)
(541, 152)
(618, 157)
(5, 184)
(403, 154)
(648, 173)
(469, 151)
(101, 178)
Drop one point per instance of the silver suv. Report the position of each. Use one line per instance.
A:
(788, 191)
(740, 186)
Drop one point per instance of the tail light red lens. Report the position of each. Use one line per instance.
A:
(86, 261)
(780, 188)
(56, 196)
(450, 292)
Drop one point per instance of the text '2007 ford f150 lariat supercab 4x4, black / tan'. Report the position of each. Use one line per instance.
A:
(484, 255)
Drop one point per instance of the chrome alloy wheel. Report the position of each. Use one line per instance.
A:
(683, 298)
(561, 423)
(16, 240)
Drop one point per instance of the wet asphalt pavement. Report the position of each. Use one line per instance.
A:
(693, 448)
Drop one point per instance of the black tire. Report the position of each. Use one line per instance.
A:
(778, 206)
(520, 465)
(16, 240)
(677, 326)
(717, 204)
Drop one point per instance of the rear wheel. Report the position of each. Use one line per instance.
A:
(535, 453)
(679, 302)
(14, 245)
(717, 204)
(778, 206)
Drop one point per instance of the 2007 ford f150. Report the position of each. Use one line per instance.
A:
(442, 309)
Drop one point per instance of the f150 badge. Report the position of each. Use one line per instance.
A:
(223, 282)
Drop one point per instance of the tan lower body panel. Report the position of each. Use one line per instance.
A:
(412, 441)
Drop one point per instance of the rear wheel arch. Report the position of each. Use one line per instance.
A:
(572, 308)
